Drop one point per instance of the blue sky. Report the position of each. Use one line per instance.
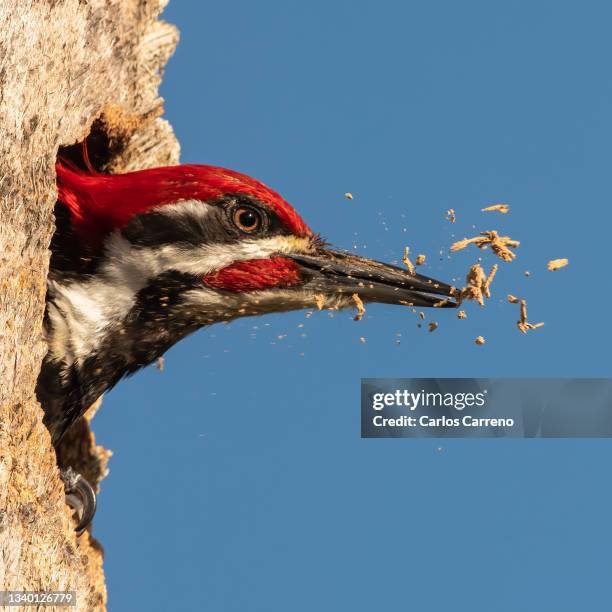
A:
(239, 480)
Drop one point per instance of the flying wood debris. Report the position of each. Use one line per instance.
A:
(556, 264)
(348, 195)
(450, 215)
(441, 303)
(499, 244)
(477, 284)
(420, 260)
(476, 280)
(407, 262)
(523, 324)
(422, 316)
(159, 363)
(479, 340)
(513, 299)
(504, 209)
(362, 340)
(486, 289)
(462, 314)
(360, 307)
(433, 326)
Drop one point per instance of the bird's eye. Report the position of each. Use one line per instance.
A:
(247, 219)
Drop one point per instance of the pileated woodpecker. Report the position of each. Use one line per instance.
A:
(141, 260)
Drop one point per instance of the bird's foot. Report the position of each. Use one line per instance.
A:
(80, 496)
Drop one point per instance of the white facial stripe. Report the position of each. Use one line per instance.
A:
(186, 208)
(198, 260)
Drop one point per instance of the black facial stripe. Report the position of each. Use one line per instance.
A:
(161, 227)
(163, 292)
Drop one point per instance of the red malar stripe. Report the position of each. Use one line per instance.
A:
(255, 274)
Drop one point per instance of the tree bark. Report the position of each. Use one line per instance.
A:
(65, 65)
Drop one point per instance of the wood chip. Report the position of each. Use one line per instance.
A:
(420, 260)
(160, 364)
(478, 285)
(406, 260)
(556, 264)
(527, 273)
(479, 340)
(476, 281)
(360, 307)
(319, 301)
(524, 324)
(441, 303)
(500, 245)
(504, 209)
(523, 304)
(421, 315)
(450, 215)
(362, 340)
(433, 326)
(513, 299)
(462, 314)
(487, 284)
(348, 195)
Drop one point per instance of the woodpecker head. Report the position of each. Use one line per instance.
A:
(172, 249)
(231, 245)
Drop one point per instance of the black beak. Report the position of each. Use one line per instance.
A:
(332, 272)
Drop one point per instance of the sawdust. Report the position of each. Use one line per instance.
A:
(500, 245)
(360, 307)
(441, 303)
(478, 284)
(504, 209)
(407, 262)
(524, 324)
(487, 284)
(557, 264)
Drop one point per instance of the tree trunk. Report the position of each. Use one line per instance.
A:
(65, 66)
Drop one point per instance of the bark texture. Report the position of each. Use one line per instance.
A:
(65, 65)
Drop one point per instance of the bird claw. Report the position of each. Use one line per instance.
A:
(80, 496)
